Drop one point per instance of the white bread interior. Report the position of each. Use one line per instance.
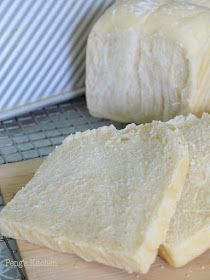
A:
(189, 232)
(106, 195)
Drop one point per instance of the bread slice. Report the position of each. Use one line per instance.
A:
(189, 233)
(107, 195)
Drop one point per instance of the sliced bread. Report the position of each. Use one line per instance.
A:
(189, 232)
(107, 195)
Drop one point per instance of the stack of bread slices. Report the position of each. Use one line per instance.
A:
(120, 196)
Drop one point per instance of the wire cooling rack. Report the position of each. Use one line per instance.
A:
(35, 135)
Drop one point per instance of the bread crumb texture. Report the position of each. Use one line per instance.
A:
(189, 232)
(105, 194)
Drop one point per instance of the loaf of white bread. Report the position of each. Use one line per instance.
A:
(149, 59)
(107, 195)
(189, 231)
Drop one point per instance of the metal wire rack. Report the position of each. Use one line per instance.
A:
(35, 135)
(14, 255)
